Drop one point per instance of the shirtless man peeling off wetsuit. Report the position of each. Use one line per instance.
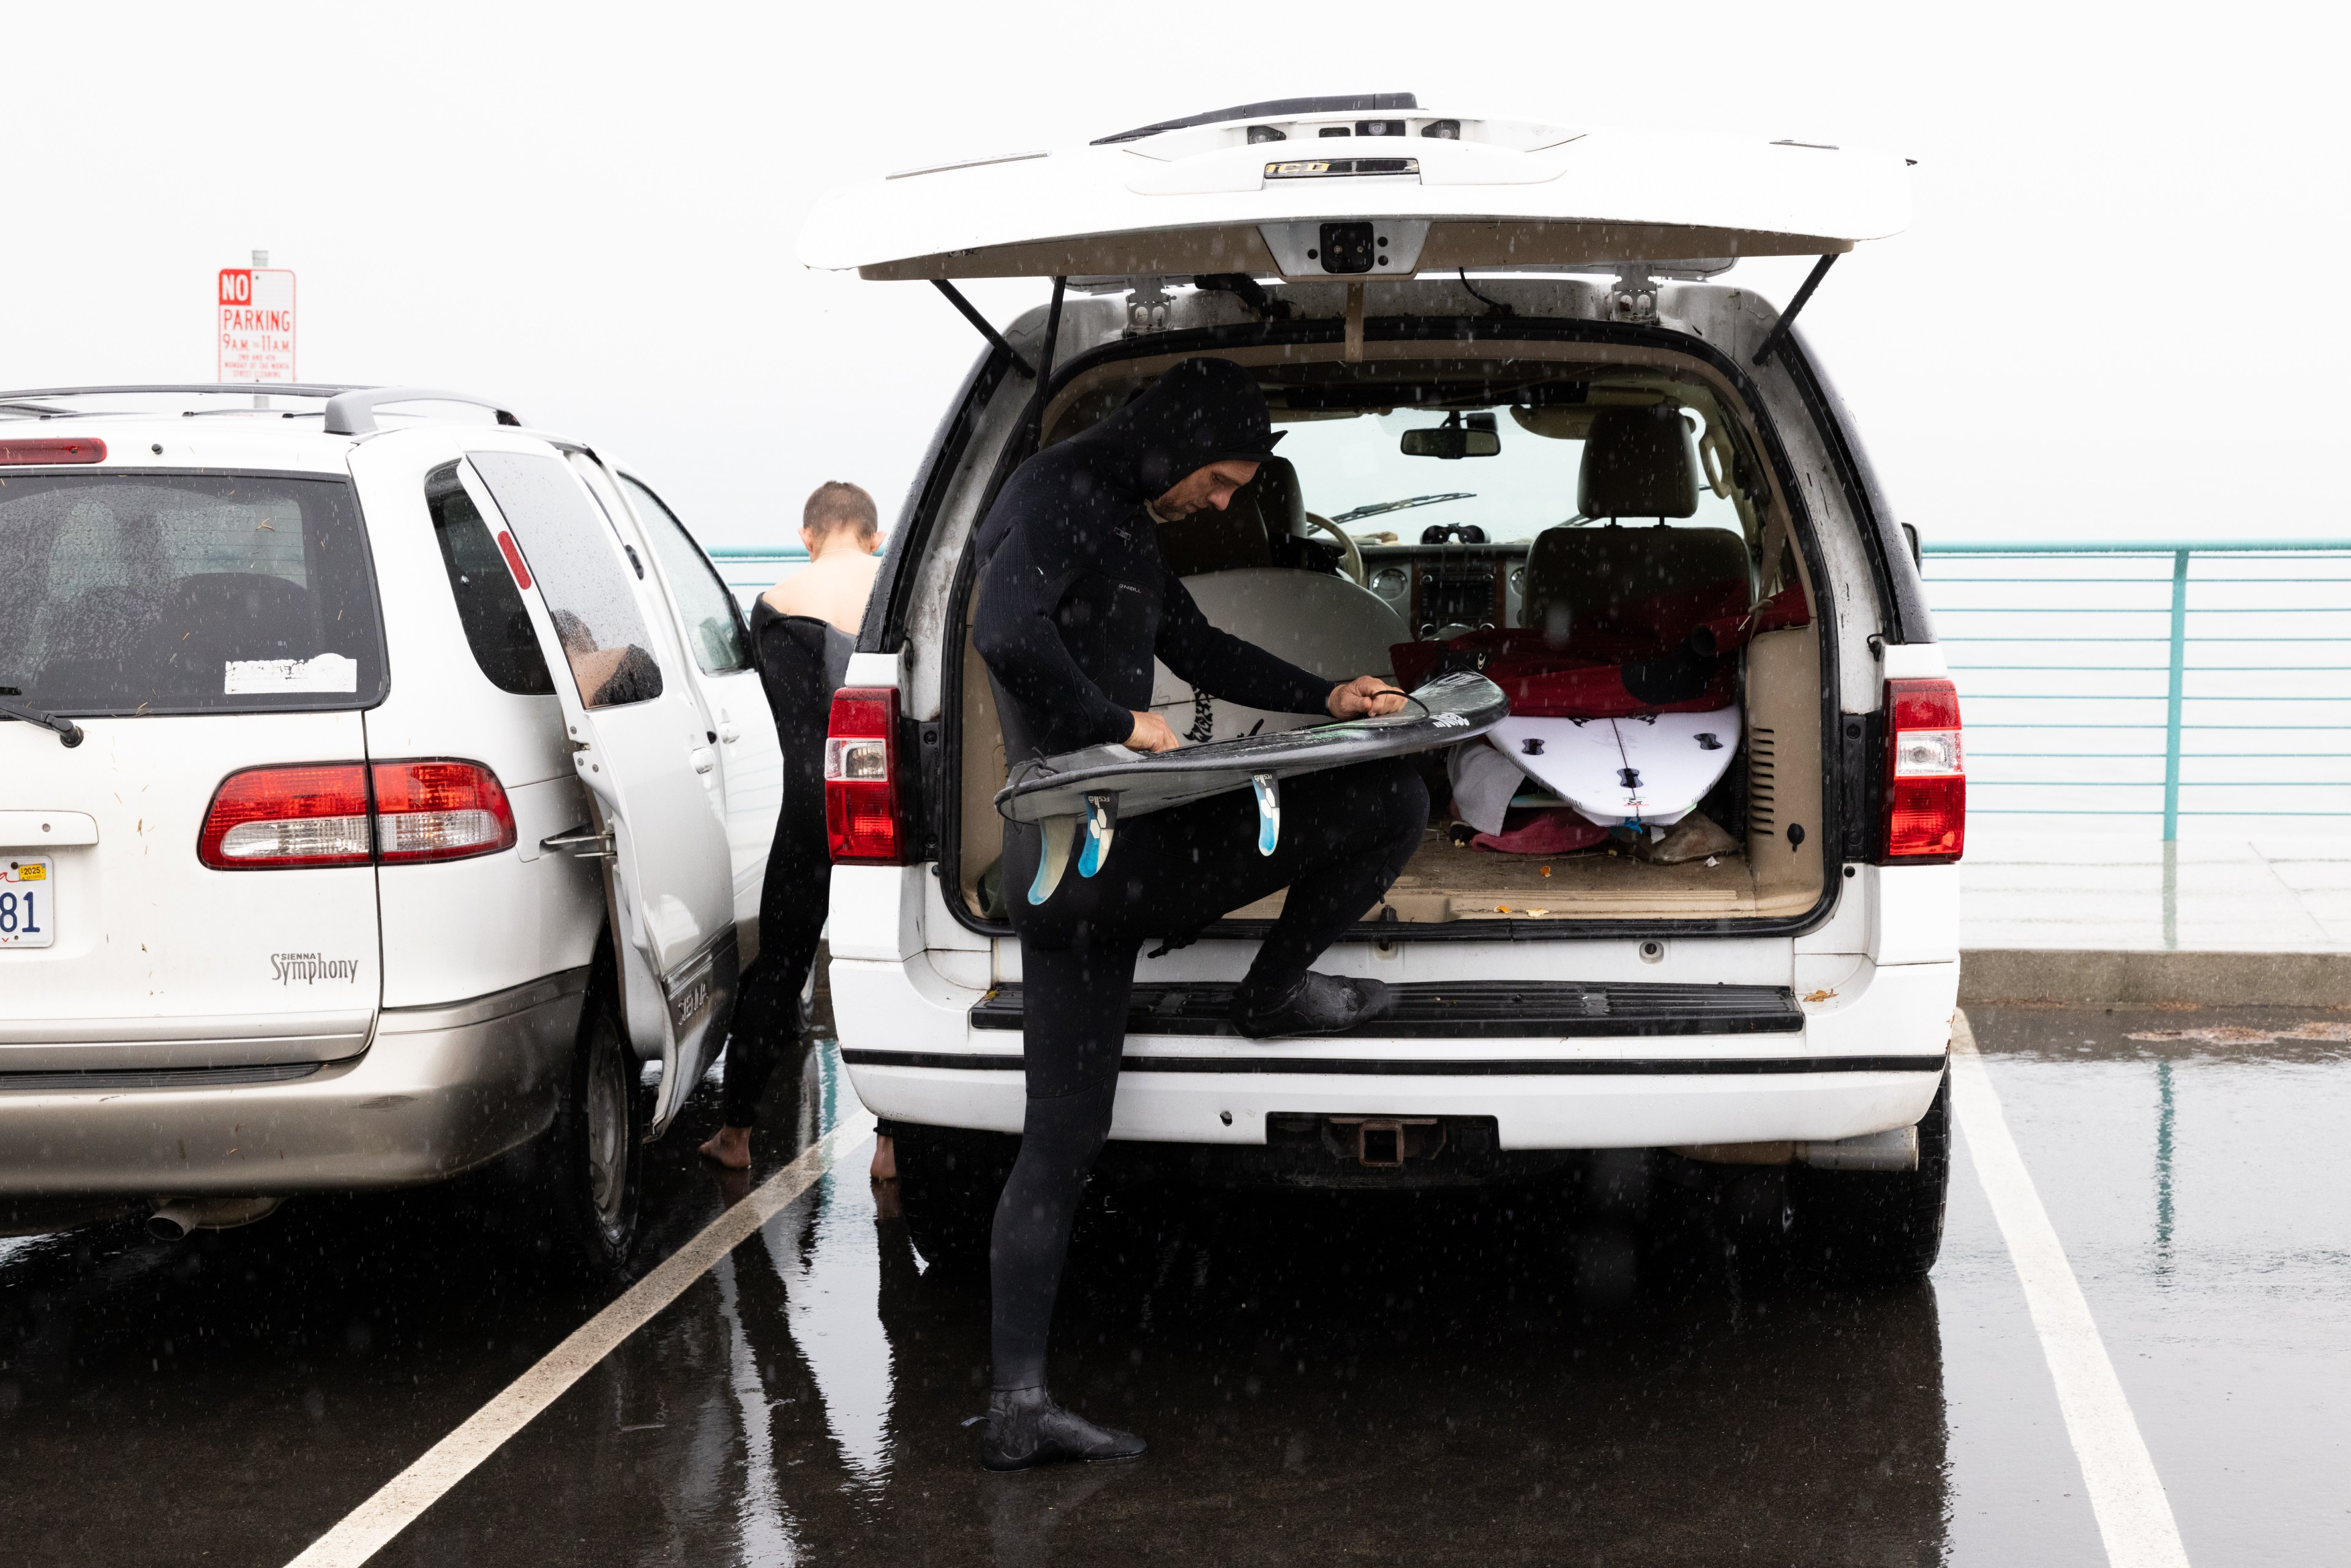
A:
(1074, 602)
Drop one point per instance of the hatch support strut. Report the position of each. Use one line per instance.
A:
(1033, 421)
(1779, 333)
(1052, 339)
(955, 299)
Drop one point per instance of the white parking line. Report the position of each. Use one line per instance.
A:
(2125, 1494)
(368, 1528)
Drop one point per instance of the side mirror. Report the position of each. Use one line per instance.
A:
(1911, 532)
(1455, 438)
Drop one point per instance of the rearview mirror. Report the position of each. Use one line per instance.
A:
(1455, 438)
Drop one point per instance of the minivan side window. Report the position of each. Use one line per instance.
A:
(713, 622)
(496, 626)
(570, 550)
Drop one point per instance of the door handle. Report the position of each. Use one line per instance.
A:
(729, 734)
(704, 757)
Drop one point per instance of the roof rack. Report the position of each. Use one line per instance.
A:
(234, 389)
(350, 410)
(352, 413)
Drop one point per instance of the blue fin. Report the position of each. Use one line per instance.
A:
(1268, 811)
(1102, 821)
(1054, 859)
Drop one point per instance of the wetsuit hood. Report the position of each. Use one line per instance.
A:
(1199, 411)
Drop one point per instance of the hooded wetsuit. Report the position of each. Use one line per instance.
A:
(1074, 602)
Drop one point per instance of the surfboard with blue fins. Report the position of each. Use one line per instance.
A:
(1078, 799)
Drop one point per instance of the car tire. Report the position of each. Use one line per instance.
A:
(1877, 1227)
(948, 1182)
(592, 1163)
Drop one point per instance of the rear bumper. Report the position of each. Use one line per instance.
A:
(1867, 1062)
(438, 1091)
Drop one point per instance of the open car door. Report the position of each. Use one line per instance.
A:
(1315, 189)
(638, 744)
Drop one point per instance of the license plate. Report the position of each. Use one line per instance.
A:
(28, 900)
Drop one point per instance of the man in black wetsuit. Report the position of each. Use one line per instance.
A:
(1074, 601)
(802, 633)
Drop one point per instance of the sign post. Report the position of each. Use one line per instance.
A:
(256, 323)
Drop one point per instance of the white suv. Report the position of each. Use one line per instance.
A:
(386, 788)
(1783, 1004)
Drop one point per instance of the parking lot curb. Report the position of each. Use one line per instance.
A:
(2108, 978)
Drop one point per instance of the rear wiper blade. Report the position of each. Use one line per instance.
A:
(1376, 508)
(69, 733)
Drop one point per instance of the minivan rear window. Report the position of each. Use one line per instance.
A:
(133, 593)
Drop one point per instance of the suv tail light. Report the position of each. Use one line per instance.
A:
(267, 817)
(1926, 774)
(440, 811)
(321, 814)
(860, 776)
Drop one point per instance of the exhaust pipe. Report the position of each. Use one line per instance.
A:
(1897, 1150)
(1893, 1151)
(175, 1219)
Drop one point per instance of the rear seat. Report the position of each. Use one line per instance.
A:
(1637, 463)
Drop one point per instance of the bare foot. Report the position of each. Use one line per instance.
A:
(731, 1147)
(885, 1158)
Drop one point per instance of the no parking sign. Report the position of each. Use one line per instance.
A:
(256, 324)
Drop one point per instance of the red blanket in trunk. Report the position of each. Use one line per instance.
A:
(1668, 653)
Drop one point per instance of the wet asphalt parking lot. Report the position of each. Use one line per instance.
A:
(1578, 1374)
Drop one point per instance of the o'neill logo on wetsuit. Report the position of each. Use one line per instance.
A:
(310, 969)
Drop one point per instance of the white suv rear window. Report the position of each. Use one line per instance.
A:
(125, 594)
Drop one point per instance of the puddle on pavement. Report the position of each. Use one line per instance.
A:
(1570, 1374)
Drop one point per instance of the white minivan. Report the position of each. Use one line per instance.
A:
(385, 789)
(1443, 311)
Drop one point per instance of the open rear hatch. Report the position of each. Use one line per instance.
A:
(1368, 193)
(1289, 190)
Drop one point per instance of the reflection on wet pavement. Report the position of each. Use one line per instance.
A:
(1590, 1371)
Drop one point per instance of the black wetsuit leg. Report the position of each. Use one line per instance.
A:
(1345, 835)
(797, 659)
(793, 902)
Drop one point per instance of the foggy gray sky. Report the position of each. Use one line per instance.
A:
(2123, 227)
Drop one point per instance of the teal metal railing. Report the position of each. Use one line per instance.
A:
(752, 570)
(2082, 664)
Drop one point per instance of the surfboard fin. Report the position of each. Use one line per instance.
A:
(1268, 811)
(1057, 833)
(1102, 821)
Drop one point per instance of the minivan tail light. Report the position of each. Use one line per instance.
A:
(1926, 783)
(53, 449)
(440, 810)
(322, 814)
(860, 776)
(271, 818)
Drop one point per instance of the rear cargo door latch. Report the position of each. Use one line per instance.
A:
(581, 841)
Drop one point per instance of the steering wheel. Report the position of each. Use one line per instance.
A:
(1353, 563)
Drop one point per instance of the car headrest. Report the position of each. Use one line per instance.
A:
(1275, 497)
(1268, 508)
(1638, 463)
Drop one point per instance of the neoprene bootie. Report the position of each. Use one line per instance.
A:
(1025, 1427)
(1317, 1004)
